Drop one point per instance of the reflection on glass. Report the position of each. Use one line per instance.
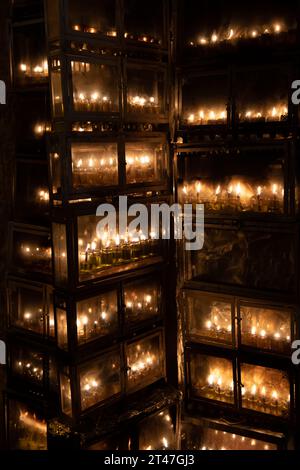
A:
(262, 95)
(30, 57)
(142, 300)
(144, 21)
(145, 93)
(266, 390)
(144, 162)
(97, 316)
(94, 165)
(230, 257)
(208, 319)
(145, 361)
(65, 393)
(27, 428)
(27, 308)
(28, 364)
(32, 252)
(266, 328)
(204, 100)
(95, 87)
(59, 235)
(157, 432)
(100, 380)
(212, 378)
(203, 437)
(85, 18)
(207, 26)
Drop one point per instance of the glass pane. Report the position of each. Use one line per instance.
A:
(144, 21)
(27, 308)
(97, 317)
(97, 255)
(230, 257)
(208, 319)
(28, 365)
(33, 111)
(262, 95)
(212, 378)
(266, 328)
(27, 428)
(100, 380)
(65, 394)
(145, 162)
(247, 181)
(94, 165)
(30, 56)
(145, 361)
(142, 300)
(56, 90)
(202, 437)
(145, 91)
(56, 173)
(157, 432)
(53, 17)
(31, 191)
(265, 390)
(204, 100)
(62, 328)
(32, 252)
(60, 253)
(208, 25)
(95, 87)
(85, 17)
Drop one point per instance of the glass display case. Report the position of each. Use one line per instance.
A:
(205, 99)
(146, 91)
(266, 327)
(31, 191)
(229, 257)
(85, 18)
(33, 123)
(145, 361)
(92, 166)
(209, 318)
(158, 432)
(95, 317)
(27, 427)
(203, 434)
(142, 301)
(27, 364)
(247, 179)
(100, 380)
(146, 161)
(207, 28)
(145, 23)
(266, 390)
(30, 250)
(30, 55)
(100, 252)
(262, 95)
(95, 87)
(31, 307)
(212, 378)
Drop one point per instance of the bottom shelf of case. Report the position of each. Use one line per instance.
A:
(219, 434)
(120, 425)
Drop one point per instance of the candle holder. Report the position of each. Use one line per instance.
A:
(265, 390)
(212, 378)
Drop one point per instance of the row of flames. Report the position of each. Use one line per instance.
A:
(235, 33)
